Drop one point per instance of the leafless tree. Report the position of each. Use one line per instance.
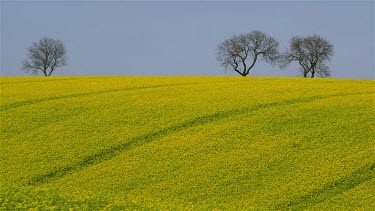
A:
(311, 53)
(241, 52)
(45, 55)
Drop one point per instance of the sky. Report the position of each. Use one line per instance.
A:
(181, 37)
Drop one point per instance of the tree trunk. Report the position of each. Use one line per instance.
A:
(304, 74)
(252, 65)
(45, 71)
(50, 72)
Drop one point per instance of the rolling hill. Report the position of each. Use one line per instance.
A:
(184, 142)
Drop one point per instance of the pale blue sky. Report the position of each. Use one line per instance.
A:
(180, 38)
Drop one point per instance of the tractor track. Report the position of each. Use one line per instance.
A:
(113, 151)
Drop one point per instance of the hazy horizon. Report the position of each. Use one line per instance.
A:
(180, 38)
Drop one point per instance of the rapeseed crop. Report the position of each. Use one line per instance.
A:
(114, 143)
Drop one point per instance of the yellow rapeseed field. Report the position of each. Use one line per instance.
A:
(187, 143)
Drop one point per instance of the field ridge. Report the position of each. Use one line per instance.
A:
(41, 100)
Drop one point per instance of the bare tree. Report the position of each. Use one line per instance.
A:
(45, 55)
(311, 53)
(241, 52)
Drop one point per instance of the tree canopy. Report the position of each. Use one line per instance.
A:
(241, 52)
(45, 55)
(311, 53)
